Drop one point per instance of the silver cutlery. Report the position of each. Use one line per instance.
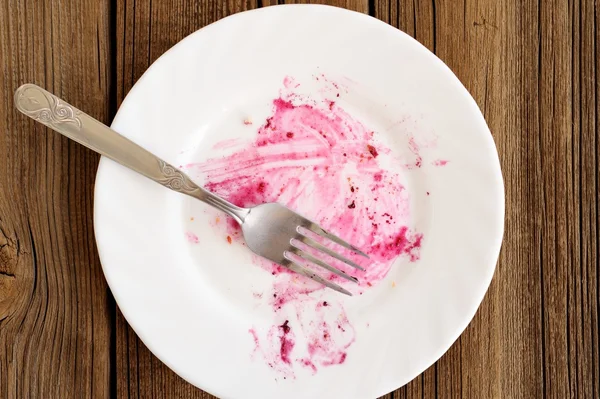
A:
(270, 230)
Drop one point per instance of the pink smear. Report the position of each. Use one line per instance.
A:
(324, 164)
(255, 338)
(290, 83)
(276, 348)
(229, 143)
(318, 160)
(330, 336)
(308, 363)
(191, 237)
(287, 342)
(440, 162)
(286, 292)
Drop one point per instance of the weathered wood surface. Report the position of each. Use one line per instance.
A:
(55, 308)
(532, 66)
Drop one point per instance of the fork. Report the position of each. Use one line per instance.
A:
(270, 230)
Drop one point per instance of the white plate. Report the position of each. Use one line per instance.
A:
(199, 306)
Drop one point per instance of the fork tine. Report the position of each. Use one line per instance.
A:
(315, 228)
(307, 273)
(324, 265)
(315, 245)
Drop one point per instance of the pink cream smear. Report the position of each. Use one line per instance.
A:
(318, 160)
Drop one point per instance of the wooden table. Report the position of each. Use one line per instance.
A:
(533, 68)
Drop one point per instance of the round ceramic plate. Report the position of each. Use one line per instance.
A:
(353, 124)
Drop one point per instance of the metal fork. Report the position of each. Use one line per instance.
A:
(270, 230)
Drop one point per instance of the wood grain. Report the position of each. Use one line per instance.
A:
(144, 31)
(532, 67)
(54, 304)
(139, 373)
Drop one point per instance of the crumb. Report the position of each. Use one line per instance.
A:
(247, 121)
(217, 220)
(229, 239)
(192, 219)
(393, 283)
(372, 150)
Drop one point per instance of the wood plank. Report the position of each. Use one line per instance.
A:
(532, 67)
(55, 316)
(354, 5)
(454, 31)
(145, 30)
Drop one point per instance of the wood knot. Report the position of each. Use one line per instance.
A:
(9, 257)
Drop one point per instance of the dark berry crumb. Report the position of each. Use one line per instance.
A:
(285, 327)
(372, 150)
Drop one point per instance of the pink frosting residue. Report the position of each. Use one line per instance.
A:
(330, 336)
(276, 348)
(318, 160)
(191, 237)
(286, 341)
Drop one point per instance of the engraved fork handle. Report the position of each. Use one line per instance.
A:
(67, 120)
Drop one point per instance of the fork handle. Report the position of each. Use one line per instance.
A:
(69, 121)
